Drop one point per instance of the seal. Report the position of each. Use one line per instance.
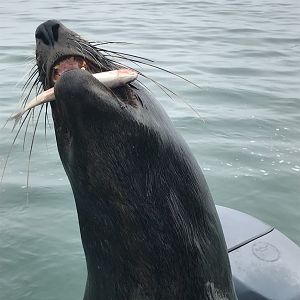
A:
(148, 223)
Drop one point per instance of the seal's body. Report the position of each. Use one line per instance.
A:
(148, 224)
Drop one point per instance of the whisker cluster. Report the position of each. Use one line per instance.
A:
(100, 59)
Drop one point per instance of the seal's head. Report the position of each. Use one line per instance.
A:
(148, 224)
(66, 60)
(68, 51)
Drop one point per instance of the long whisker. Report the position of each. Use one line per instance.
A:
(161, 86)
(12, 145)
(45, 126)
(170, 72)
(46, 114)
(89, 53)
(151, 79)
(96, 55)
(30, 78)
(93, 43)
(30, 153)
(27, 74)
(165, 89)
(120, 64)
(144, 61)
(24, 101)
(80, 47)
(38, 88)
(126, 55)
(26, 129)
(93, 53)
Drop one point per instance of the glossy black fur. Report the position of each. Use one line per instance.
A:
(148, 224)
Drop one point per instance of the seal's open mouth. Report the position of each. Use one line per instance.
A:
(111, 79)
(69, 52)
(66, 64)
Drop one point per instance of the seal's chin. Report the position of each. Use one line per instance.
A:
(79, 95)
(86, 111)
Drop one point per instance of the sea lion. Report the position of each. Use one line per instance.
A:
(148, 223)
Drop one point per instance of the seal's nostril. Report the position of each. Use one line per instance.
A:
(48, 32)
(40, 35)
(55, 31)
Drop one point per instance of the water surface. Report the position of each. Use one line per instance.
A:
(245, 57)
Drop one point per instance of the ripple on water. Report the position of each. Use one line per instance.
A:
(245, 57)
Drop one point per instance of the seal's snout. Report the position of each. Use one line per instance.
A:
(47, 32)
(59, 49)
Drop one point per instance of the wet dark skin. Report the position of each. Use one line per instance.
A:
(148, 224)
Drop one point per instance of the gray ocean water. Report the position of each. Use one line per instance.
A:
(244, 55)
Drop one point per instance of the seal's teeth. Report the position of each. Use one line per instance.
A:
(82, 65)
(56, 77)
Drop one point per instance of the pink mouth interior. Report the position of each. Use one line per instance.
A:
(70, 63)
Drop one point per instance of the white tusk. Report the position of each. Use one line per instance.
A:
(110, 79)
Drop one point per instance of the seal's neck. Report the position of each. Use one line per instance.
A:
(112, 244)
